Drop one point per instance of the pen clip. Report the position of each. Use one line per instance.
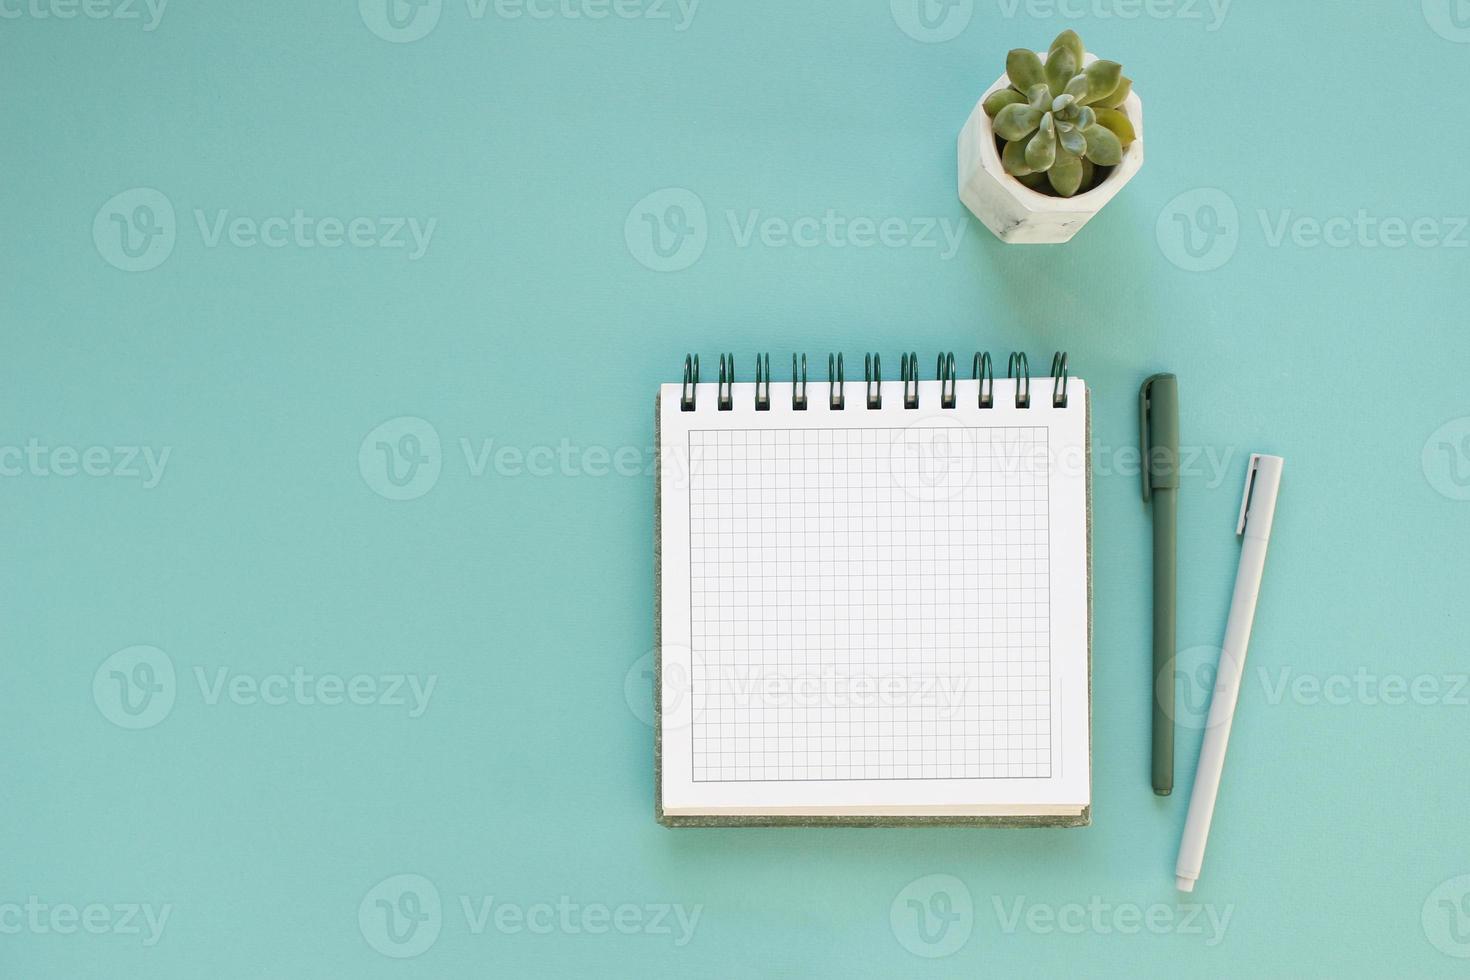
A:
(1143, 439)
(1250, 483)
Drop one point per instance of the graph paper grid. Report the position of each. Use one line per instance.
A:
(870, 604)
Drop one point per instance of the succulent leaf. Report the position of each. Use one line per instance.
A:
(1066, 174)
(1041, 152)
(1024, 69)
(1016, 121)
(1038, 97)
(1085, 117)
(1119, 124)
(1068, 40)
(1102, 78)
(1103, 147)
(996, 101)
(1013, 159)
(1060, 67)
(1118, 95)
(1077, 89)
(1035, 181)
(1072, 139)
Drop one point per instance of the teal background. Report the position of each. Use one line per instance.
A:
(530, 321)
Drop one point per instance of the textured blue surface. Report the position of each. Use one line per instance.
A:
(1295, 249)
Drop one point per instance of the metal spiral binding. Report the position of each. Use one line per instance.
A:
(873, 373)
(908, 369)
(763, 382)
(946, 375)
(985, 374)
(691, 378)
(727, 382)
(1020, 370)
(1059, 379)
(798, 388)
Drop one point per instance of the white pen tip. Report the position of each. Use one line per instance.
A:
(1184, 884)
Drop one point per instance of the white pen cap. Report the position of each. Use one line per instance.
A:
(1258, 506)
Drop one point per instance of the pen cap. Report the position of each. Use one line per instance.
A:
(1258, 506)
(1158, 414)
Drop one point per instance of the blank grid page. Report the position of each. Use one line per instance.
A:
(869, 603)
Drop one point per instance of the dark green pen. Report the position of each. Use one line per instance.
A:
(1158, 404)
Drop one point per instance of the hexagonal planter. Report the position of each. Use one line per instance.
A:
(1013, 211)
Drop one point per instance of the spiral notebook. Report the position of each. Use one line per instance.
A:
(873, 600)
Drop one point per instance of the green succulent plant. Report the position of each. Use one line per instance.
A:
(1059, 122)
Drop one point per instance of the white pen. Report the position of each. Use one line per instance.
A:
(1257, 511)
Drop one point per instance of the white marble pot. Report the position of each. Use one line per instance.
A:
(1013, 211)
